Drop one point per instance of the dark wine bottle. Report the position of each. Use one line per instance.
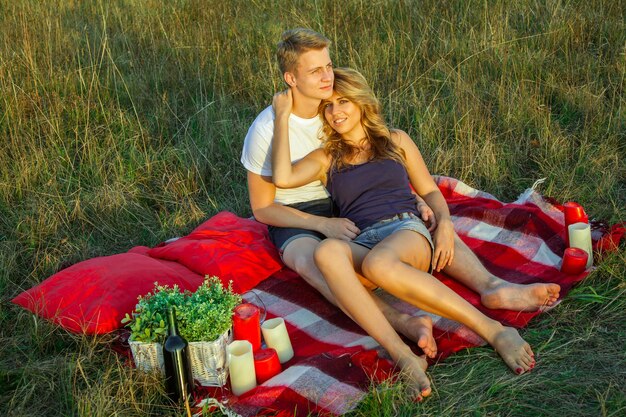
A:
(178, 376)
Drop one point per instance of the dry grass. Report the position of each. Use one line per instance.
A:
(122, 124)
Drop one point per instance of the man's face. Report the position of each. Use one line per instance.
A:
(313, 76)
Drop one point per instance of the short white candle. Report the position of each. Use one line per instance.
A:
(277, 338)
(580, 237)
(241, 364)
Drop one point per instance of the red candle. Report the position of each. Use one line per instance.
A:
(266, 364)
(574, 261)
(246, 324)
(574, 213)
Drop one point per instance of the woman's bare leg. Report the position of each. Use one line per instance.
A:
(338, 260)
(298, 256)
(389, 266)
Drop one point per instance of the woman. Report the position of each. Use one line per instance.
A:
(367, 169)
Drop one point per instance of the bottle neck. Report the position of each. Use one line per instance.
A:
(172, 325)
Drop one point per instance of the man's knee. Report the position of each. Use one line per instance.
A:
(379, 263)
(457, 241)
(298, 255)
(328, 250)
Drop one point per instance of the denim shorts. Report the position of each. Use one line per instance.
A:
(377, 232)
(283, 236)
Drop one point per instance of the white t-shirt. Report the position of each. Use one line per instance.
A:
(303, 138)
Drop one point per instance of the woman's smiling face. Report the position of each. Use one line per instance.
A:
(343, 116)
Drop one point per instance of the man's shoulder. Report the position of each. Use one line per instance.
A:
(261, 129)
(256, 144)
(264, 119)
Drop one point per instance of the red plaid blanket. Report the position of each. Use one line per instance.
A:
(335, 361)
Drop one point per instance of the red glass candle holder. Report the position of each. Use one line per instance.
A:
(246, 324)
(266, 364)
(574, 261)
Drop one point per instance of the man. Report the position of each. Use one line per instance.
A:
(300, 218)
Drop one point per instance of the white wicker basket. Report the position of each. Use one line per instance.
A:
(147, 356)
(208, 359)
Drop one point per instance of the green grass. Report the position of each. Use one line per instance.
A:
(121, 124)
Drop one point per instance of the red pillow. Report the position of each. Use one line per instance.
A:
(228, 247)
(94, 295)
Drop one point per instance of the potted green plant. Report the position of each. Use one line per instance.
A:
(147, 321)
(204, 320)
(148, 328)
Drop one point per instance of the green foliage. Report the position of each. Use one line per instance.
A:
(202, 315)
(208, 312)
(121, 124)
(148, 322)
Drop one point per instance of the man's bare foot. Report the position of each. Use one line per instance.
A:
(514, 350)
(413, 371)
(516, 297)
(419, 329)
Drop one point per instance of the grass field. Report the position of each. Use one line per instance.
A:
(122, 122)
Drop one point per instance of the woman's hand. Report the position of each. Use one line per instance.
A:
(443, 238)
(282, 103)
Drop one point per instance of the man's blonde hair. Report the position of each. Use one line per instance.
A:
(294, 43)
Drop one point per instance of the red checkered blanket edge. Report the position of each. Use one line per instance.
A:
(335, 361)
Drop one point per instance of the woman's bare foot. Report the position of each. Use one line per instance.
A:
(517, 297)
(514, 350)
(413, 371)
(419, 329)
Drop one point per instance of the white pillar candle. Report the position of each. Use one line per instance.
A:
(241, 364)
(580, 237)
(277, 338)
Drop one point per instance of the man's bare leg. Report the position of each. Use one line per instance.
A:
(298, 255)
(495, 292)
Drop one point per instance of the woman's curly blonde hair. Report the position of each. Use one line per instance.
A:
(350, 84)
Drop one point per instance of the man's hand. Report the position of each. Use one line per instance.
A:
(443, 239)
(338, 228)
(282, 103)
(427, 215)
